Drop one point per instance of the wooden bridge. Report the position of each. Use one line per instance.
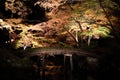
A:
(66, 52)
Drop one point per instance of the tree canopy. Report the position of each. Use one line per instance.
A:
(41, 23)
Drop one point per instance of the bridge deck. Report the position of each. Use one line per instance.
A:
(57, 51)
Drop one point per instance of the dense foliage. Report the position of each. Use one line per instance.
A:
(91, 25)
(82, 21)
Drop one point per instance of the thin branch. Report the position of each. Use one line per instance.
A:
(107, 16)
(71, 35)
(80, 26)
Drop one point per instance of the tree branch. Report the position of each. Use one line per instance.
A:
(71, 35)
(80, 26)
(107, 16)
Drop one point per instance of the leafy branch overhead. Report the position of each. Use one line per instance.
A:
(88, 32)
(90, 24)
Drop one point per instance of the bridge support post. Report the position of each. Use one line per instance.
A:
(68, 65)
(43, 67)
